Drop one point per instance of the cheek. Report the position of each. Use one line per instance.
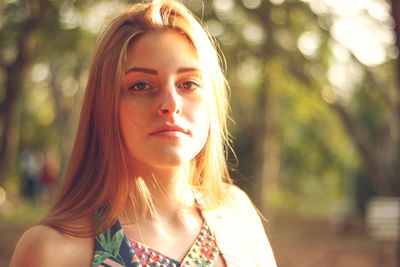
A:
(202, 126)
(204, 121)
(129, 123)
(204, 137)
(125, 127)
(132, 112)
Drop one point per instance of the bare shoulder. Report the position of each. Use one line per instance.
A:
(44, 246)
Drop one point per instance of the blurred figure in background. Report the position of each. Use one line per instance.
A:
(32, 162)
(49, 175)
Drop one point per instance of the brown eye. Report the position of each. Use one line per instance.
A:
(140, 86)
(189, 85)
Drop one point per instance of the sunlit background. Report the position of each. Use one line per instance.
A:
(315, 107)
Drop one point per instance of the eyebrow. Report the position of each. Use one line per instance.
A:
(145, 70)
(154, 72)
(181, 70)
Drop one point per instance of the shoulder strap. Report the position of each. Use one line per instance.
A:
(198, 197)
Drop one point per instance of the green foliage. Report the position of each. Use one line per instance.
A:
(111, 246)
(281, 93)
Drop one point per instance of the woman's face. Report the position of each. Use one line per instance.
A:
(163, 112)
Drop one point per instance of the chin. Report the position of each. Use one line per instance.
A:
(161, 161)
(172, 162)
(167, 158)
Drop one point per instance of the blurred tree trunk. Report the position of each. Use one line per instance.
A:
(260, 135)
(15, 73)
(266, 146)
(377, 177)
(396, 164)
(67, 111)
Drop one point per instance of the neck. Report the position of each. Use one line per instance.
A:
(170, 192)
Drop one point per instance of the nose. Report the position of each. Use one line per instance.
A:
(171, 101)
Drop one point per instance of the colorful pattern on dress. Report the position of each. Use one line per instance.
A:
(203, 252)
(150, 257)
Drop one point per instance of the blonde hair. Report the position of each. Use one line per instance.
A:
(97, 175)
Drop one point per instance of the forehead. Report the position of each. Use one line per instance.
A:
(161, 48)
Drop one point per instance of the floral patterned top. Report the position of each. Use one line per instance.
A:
(114, 249)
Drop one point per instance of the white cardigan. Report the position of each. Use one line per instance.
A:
(239, 232)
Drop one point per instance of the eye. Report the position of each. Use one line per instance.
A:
(189, 85)
(140, 86)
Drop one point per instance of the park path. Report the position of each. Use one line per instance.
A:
(304, 242)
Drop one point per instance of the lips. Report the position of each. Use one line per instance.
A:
(167, 128)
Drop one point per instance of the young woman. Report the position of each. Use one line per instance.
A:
(147, 183)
